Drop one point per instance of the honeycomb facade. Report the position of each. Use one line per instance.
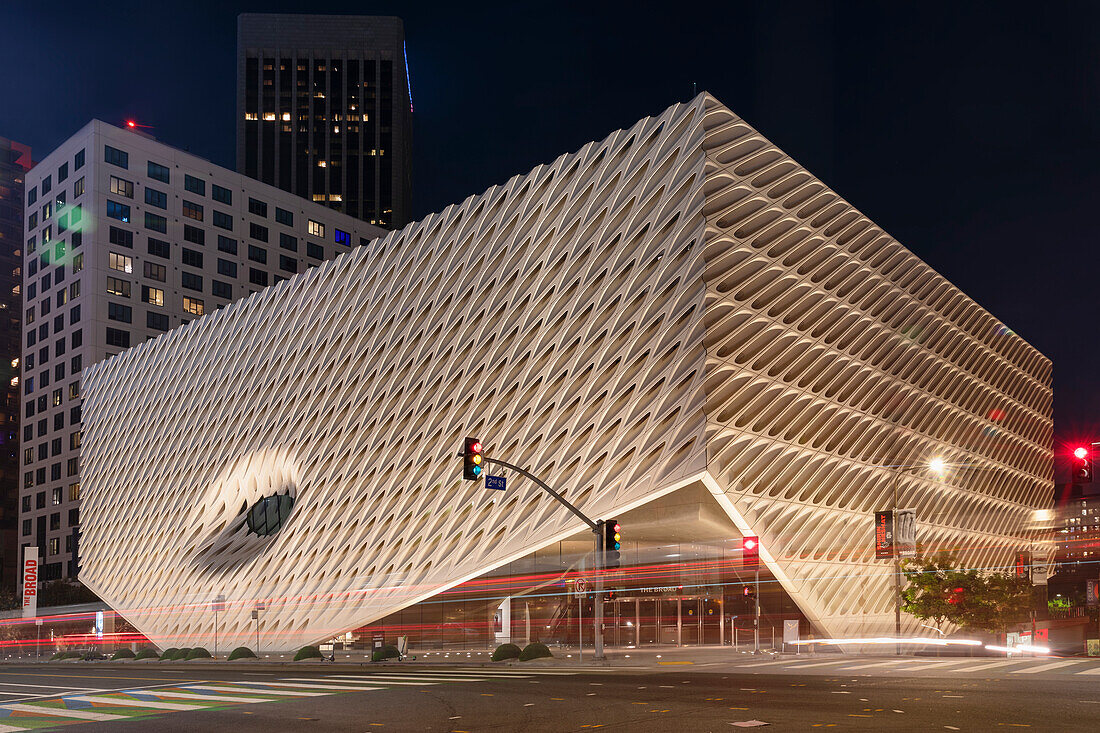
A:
(680, 303)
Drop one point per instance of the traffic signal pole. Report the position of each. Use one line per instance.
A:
(596, 527)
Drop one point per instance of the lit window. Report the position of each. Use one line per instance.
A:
(122, 263)
(122, 187)
(153, 296)
(250, 116)
(192, 211)
(193, 306)
(269, 116)
(343, 237)
(286, 117)
(322, 164)
(316, 228)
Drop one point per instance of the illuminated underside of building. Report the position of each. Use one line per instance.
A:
(679, 307)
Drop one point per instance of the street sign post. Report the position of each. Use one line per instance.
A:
(218, 605)
(496, 483)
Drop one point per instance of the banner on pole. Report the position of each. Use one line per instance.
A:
(905, 532)
(30, 582)
(884, 535)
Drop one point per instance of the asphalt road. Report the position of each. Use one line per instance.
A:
(473, 699)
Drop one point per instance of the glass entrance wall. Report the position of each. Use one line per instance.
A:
(681, 583)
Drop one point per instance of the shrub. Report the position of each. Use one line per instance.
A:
(72, 654)
(308, 652)
(505, 651)
(198, 653)
(534, 650)
(181, 653)
(122, 653)
(92, 656)
(57, 655)
(169, 653)
(241, 652)
(389, 651)
(147, 653)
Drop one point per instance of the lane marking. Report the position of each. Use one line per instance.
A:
(412, 677)
(62, 712)
(1094, 670)
(126, 703)
(817, 664)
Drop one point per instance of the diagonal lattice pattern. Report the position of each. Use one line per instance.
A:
(680, 302)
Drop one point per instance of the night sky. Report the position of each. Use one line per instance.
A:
(972, 136)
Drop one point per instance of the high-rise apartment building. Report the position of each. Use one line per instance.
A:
(15, 161)
(324, 110)
(127, 238)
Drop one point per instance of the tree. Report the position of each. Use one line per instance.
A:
(936, 588)
(940, 591)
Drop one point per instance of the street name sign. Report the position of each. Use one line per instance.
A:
(496, 483)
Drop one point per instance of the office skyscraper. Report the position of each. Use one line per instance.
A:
(324, 111)
(15, 161)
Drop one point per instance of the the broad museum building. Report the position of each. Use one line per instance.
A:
(677, 327)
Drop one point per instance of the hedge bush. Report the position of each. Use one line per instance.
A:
(169, 653)
(122, 653)
(198, 653)
(181, 653)
(308, 652)
(72, 654)
(389, 651)
(147, 653)
(505, 651)
(241, 652)
(534, 650)
(56, 656)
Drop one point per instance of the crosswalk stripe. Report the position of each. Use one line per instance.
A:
(126, 703)
(763, 664)
(815, 664)
(223, 688)
(508, 672)
(1094, 670)
(423, 677)
(375, 680)
(10, 729)
(992, 665)
(194, 696)
(933, 665)
(61, 712)
(1045, 667)
(303, 685)
(889, 662)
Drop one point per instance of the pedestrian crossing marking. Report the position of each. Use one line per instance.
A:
(376, 680)
(264, 685)
(60, 712)
(195, 696)
(127, 702)
(223, 688)
(1045, 667)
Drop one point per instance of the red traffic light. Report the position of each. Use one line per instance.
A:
(475, 447)
(1081, 452)
(131, 124)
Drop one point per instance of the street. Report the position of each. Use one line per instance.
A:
(679, 696)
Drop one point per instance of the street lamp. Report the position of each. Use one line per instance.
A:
(937, 466)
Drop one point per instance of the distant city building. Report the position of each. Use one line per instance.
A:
(127, 238)
(1077, 529)
(15, 161)
(678, 327)
(324, 110)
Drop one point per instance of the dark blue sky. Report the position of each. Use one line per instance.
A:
(972, 135)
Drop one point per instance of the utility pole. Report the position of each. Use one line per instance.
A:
(756, 617)
(897, 572)
(597, 604)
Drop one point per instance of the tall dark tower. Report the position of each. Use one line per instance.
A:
(15, 161)
(324, 110)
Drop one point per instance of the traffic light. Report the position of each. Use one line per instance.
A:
(956, 596)
(471, 459)
(750, 552)
(612, 542)
(1081, 464)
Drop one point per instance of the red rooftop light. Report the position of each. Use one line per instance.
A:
(1081, 452)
